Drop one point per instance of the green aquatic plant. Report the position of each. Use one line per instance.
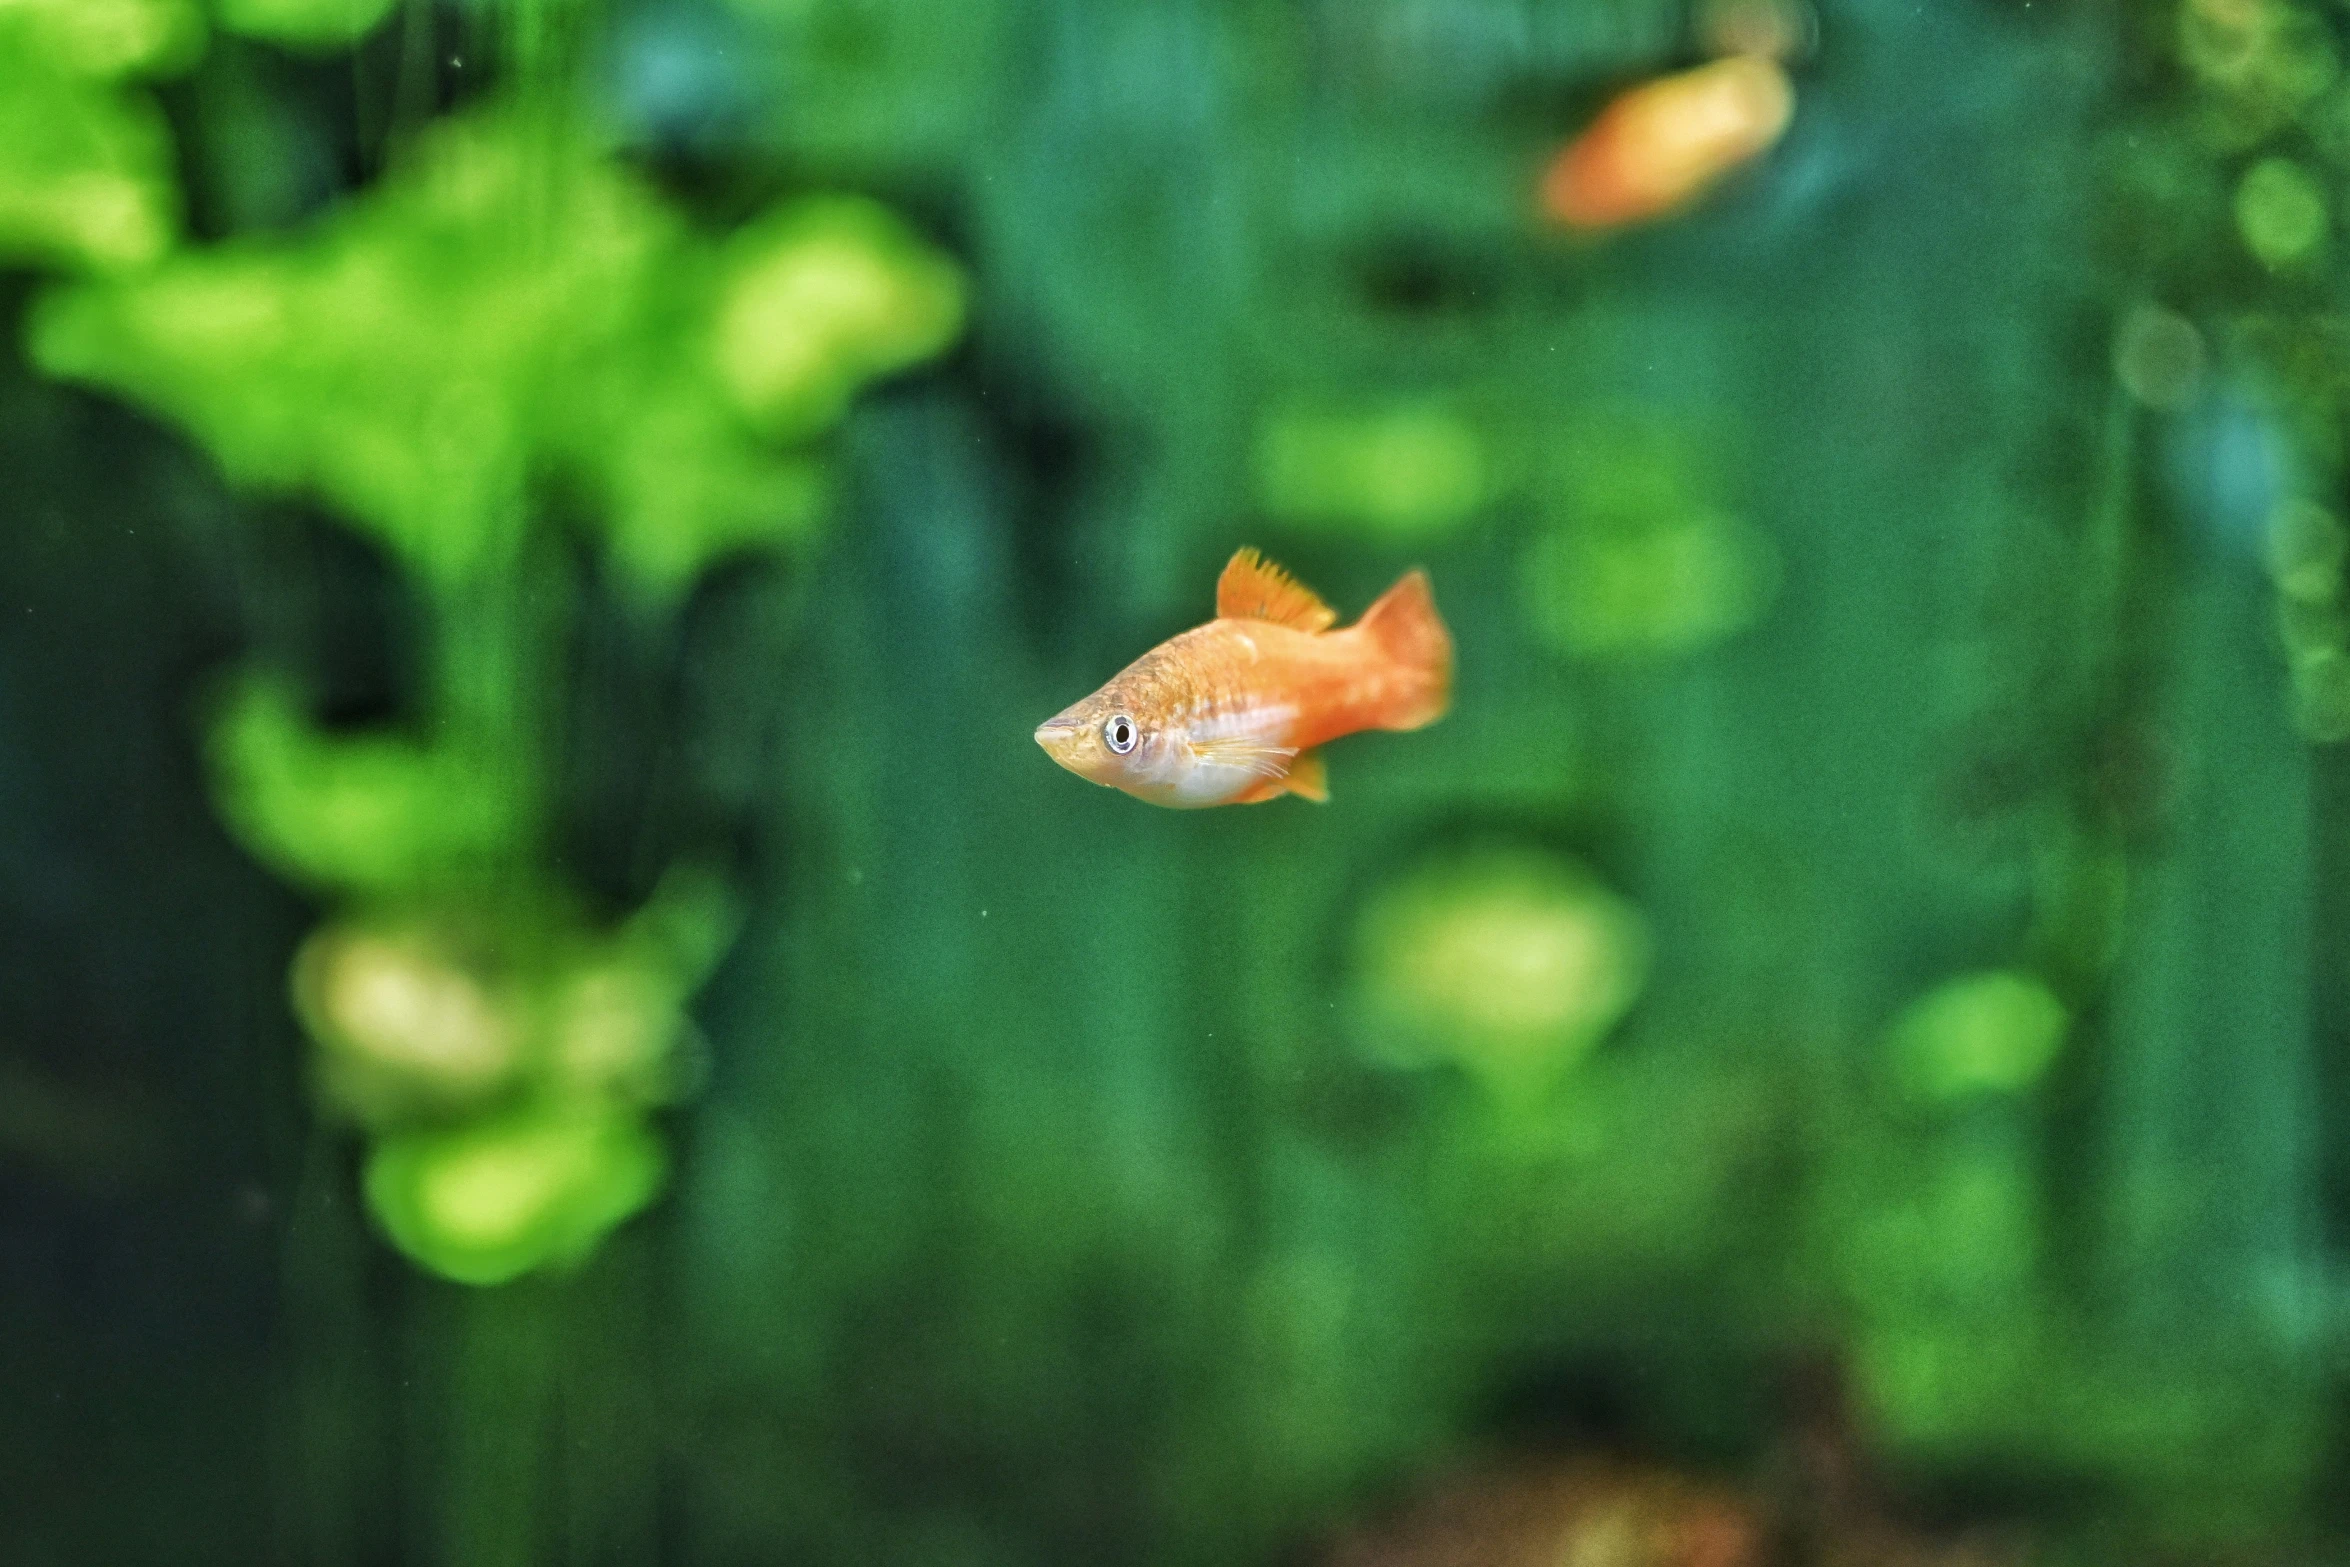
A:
(815, 299)
(302, 24)
(436, 1010)
(511, 309)
(489, 1200)
(370, 814)
(2242, 161)
(86, 177)
(509, 313)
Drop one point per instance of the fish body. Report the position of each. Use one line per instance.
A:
(1233, 712)
(1658, 146)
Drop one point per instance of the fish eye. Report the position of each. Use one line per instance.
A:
(1119, 733)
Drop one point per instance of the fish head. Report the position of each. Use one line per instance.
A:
(1105, 740)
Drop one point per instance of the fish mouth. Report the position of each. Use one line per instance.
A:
(1070, 745)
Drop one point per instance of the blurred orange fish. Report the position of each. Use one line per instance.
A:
(1658, 146)
(1230, 713)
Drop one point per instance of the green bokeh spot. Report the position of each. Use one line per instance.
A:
(1641, 558)
(1510, 962)
(1992, 1033)
(489, 1202)
(1405, 472)
(2281, 212)
(1672, 585)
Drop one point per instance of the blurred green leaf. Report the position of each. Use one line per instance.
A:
(507, 306)
(816, 299)
(678, 484)
(302, 24)
(105, 40)
(424, 1012)
(489, 1202)
(371, 813)
(410, 1023)
(1669, 587)
(394, 358)
(86, 175)
(689, 922)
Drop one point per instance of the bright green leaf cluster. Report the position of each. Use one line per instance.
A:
(681, 487)
(448, 1008)
(106, 40)
(506, 311)
(509, 308)
(85, 163)
(393, 359)
(505, 1058)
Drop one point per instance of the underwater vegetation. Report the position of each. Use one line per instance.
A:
(551, 1009)
(506, 313)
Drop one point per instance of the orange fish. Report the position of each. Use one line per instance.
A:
(1662, 143)
(1231, 712)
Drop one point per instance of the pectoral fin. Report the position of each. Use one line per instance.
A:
(1305, 779)
(1269, 762)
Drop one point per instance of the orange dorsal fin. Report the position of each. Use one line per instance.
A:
(1253, 588)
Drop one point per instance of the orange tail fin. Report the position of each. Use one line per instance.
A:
(1405, 627)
